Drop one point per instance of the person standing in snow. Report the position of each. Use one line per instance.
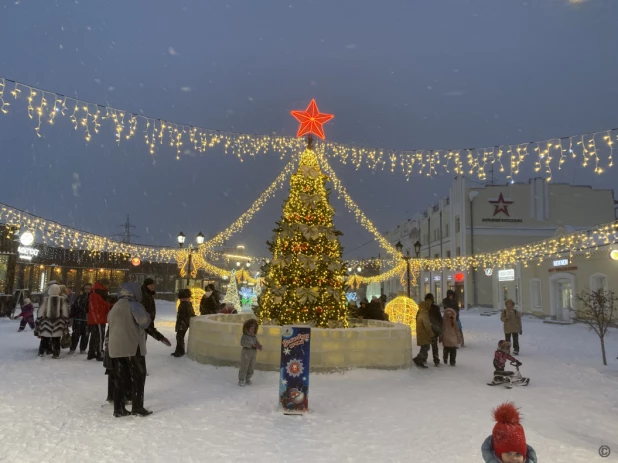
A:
(98, 307)
(511, 318)
(451, 336)
(435, 317)
(424, 331)
(210, 301)
(128, 321)
(27, 315)
(183, 321)
(507, 442)
(450, 302)
(53, 321)
(148, 301)
(250, 346)
(79, 320)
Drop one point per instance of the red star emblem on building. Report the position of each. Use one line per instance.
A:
(501, 205)
(311, 120)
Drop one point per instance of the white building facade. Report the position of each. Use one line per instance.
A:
(476, 219)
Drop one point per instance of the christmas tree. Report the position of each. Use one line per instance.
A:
(304, 281)
(231, 295)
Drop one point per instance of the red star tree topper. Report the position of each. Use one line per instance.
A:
(311, 120)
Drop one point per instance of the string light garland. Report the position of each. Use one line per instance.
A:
(44, 107)
(54, 234)
(358, 214)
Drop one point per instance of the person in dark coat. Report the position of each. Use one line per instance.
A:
(371, 311)
(79, 320)
(435, 317)
(27, 315)
(128, 321)
(98, 306)
(183, 320)
(451, 303)
(210, 301)
(148, 293)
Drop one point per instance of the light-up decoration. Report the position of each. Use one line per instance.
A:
(27, 252)
(26, 238)
(311, 120)
(402, 310)
(44, 107)
(459, 277)
(196, 297)
(351, 296)
(613, 254)
(136, 261)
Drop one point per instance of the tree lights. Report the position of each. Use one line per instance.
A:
(304, 282)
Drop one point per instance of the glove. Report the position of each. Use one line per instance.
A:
(166, 342)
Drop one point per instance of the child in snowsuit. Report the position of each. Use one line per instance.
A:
(250, 346)
(27, 315)
(183, 321)
(501, 356)
(507, 442)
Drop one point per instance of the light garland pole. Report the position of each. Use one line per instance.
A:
(181, 241)
(407, 257)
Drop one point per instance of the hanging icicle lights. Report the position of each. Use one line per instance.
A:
(593, 150)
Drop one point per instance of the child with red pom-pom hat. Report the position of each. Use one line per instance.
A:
(507, 443)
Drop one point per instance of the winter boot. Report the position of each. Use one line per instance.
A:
(242, 383)
(122, 412)
(248, 382)
(71, 351)
(141, 412)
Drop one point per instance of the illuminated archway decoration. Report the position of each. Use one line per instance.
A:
(402, 310)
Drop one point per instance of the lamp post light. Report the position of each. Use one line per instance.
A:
(181, 241)
(407, 258)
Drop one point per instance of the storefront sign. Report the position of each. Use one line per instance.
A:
(501, 206)
(27, 253)
(506, 275)
(561, 262)
(437, 278)
(136, 261)
(562, 269)
(459, 277)
(489, 271)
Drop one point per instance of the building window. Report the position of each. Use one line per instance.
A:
(446, 230)
(458, 251)
(535, 294)
(448, 254)
(598, 281)
(436, 256)
(457, 225)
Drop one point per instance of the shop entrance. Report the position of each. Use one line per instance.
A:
(562, 287)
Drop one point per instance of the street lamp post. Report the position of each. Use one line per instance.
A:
(407, 258)
(181, 241)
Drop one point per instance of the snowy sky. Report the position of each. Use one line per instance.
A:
(409, 75)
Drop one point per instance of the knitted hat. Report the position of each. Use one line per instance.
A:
(148, 281)
(508, 435)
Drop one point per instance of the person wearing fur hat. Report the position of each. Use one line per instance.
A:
(128, 321)
(27, 315)
(250, 346)
(507, 442)
(183, 320)
(511, 318)
(451, 336)
(53, 320)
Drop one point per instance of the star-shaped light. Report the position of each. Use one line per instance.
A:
(311, 120)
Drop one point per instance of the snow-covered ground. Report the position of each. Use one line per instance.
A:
(55, 410)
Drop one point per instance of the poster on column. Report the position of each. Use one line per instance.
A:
(294, 381)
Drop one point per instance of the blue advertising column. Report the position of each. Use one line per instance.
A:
(294, 381)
